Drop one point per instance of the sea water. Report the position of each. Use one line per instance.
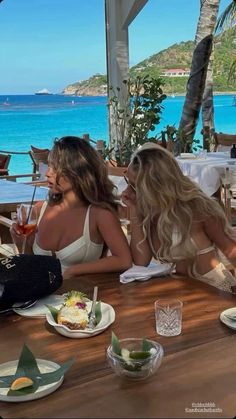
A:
(38, 120)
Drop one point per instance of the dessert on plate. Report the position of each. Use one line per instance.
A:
(74, 313)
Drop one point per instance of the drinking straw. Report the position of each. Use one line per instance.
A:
(27, 220)
(31, 204)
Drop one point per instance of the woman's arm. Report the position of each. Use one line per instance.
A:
(214, 229)
(140, 249)
(120, 259)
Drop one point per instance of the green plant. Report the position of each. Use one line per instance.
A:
(133, 116)
(176, 141)
(186, 143)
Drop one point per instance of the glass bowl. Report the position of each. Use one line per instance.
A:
(134, 362)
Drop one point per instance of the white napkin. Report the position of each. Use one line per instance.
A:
(143, 273)
(8, 250)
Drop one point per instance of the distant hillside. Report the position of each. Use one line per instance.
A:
(176, 56)
(94, 86)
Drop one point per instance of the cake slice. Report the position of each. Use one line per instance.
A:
(73, 313)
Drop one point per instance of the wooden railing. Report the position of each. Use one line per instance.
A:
(224, 139)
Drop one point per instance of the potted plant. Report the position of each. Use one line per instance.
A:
(133, 115)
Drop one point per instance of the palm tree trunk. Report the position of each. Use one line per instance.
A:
(208, 122)
(194, 94)
(206, 25)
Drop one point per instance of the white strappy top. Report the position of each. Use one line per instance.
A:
(80, 251)
(176, 246)
(219, 276)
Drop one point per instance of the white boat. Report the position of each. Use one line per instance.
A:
(6, 103)
(43, 92)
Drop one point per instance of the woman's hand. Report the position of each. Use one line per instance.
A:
(70, 272)
(18, 237)
(129, 198)
(16, 233)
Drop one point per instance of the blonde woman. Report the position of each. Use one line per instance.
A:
(174, 221)
(80, 220)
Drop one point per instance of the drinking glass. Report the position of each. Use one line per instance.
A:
(27, 217)
(202, 154)
(168, 314)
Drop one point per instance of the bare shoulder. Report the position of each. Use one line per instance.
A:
(102, 214)
(213, 222)
(198, 225)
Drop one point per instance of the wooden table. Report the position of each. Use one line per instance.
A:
(198, 370)
(13, 193)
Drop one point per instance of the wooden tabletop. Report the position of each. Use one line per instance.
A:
(197, 377)
(13, 193)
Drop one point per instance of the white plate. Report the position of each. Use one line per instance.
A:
(108, 317)
(187, 156)
(9, 368)
(228, 322)
(40, 309)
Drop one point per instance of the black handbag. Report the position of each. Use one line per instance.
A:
(28, 277)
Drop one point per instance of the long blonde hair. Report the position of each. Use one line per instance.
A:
(169, 201)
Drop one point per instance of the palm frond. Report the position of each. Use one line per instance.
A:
(232, 73)
(227, 18)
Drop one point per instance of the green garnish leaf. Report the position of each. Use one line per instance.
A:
(54, 312)
(24, 391)
(27, 367)
(98, 312)
(132, 361)
(139, 355)
(6, 381)
(74, 295)
(115, 344)
(146, 346)
(52, 377)
(132, 367)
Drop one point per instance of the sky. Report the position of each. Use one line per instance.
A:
(53, 43)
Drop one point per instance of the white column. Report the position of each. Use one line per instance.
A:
(119, 14)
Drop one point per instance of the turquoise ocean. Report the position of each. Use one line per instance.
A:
(38, 120)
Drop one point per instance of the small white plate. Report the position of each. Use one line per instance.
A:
(108, 317)
(40, 309)
(45, 366)
(228, 322)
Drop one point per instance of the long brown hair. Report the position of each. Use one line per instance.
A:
(74, 158)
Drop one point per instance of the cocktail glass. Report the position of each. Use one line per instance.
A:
(27, 217)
